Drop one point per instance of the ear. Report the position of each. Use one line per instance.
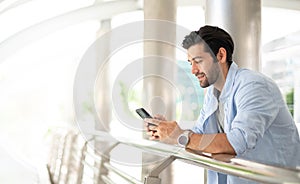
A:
(222, 55)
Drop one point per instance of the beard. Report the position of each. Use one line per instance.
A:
(202, 80)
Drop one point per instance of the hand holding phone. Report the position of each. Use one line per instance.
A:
(144, 114)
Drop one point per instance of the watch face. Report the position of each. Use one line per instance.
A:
(183, 140)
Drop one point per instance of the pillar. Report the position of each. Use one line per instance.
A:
(103, 103)
(103, 90)
(159, 95)
(242, 19)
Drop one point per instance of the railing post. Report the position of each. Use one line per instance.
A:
(81, 164)
(153, 178)
(103, 171)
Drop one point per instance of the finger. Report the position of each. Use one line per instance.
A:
(154, 138)
(159, 117)
(150, 133)
(156, 134)
(152, 121)
(152, 128)
(146, 125)
(149, 127)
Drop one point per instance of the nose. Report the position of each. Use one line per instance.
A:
(194, 68)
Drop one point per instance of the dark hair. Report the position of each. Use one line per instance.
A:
(214, 37)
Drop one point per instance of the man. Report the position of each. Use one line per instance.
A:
(243, 113)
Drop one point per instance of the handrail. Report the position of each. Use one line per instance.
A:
(107, 180)
(226, 164)
(122, 174)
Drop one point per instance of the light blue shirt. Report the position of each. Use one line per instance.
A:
(257, 122)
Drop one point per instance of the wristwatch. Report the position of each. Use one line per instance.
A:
(184, 138)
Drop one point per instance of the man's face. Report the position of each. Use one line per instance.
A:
(203, 66)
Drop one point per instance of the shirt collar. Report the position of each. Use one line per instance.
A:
(229, 81)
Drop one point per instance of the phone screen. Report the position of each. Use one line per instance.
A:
(144, 114)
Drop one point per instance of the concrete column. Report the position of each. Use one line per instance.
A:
(103, 87)
(159, 97)
(159, 94)
(103, 102)
(242, 19)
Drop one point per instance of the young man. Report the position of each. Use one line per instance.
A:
(243, 113)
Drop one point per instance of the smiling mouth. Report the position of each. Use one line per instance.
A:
(200, 75)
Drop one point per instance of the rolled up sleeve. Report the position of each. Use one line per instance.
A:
(256, 110)
(237, 141)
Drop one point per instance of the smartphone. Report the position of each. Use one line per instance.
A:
(144, 114)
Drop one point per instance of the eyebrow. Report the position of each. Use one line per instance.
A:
(195, 58)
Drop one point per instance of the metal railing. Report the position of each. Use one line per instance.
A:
(101, 167)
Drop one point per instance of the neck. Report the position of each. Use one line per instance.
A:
(219, 84)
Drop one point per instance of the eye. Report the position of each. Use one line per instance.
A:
(198, 60)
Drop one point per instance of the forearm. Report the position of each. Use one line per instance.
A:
(211, 143)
